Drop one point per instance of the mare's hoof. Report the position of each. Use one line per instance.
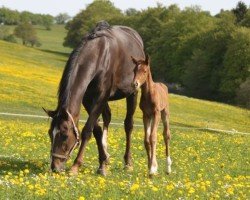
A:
(101, 172)
(128, 168)
(107, 161)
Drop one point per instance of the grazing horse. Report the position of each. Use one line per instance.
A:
(98, 70)
(154, 104)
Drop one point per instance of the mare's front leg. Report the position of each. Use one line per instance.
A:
(94, 112)
(153, 141)
(147, 132)
(131, 102)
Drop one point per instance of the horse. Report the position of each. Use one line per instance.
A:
(97, 71)
(154, 104)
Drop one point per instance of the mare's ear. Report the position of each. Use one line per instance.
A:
(50, 113)
(134, 60)
(64, 114)
(147, 59)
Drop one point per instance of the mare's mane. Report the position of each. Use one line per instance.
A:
(64, 90)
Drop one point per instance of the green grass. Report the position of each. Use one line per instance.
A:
(206, 165)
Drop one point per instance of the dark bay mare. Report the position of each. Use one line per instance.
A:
(98, 70)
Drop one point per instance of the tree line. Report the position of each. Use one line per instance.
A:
(25, 22)
(14, 17)
(201, 55)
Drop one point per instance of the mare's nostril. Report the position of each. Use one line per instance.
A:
(136, 84)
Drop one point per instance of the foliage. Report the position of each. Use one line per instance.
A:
(9, 17)
(236, 63)
(13, 17)
(27, 33)
(246, 21)
(87, 18)
(240, 11)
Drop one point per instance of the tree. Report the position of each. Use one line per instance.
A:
(246, 21)
(240, 11)
(236, 63)
(47, 21)
(86, 20)
(179, 36)
(62, 18)
(27, 33)
(131, 12)
(197, 75)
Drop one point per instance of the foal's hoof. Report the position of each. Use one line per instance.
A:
(73, 170)
(128, 168)
(152, 175)
(168, 171)
(101, 172)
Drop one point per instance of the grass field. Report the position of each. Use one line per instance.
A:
(206, 165)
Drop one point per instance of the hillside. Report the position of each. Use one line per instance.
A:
(29, 79)
(51, 40)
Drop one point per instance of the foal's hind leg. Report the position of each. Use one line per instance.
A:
(167, 137)
(153, 141)
(106, 116)
(128, 124)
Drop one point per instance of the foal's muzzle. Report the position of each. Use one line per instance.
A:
(136, 85)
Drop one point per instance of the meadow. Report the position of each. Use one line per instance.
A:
(206, 164)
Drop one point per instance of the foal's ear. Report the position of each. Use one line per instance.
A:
(50, 113)
(147, 59)
(134, 60)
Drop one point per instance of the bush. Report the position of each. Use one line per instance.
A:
(27, 33)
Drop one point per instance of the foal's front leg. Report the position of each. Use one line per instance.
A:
(153, 141)
(147, 131)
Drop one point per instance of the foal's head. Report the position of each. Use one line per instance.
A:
(141, 71)
(64, 137)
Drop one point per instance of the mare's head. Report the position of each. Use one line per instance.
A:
(141, 71)
(64, 137)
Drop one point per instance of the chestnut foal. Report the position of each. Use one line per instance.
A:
(154, 104)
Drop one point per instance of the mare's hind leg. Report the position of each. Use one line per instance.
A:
(106, 116)
(167, 137)
(131, 102)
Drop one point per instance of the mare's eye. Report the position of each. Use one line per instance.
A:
(64, 137)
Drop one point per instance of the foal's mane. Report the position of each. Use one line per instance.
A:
(64, 90)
